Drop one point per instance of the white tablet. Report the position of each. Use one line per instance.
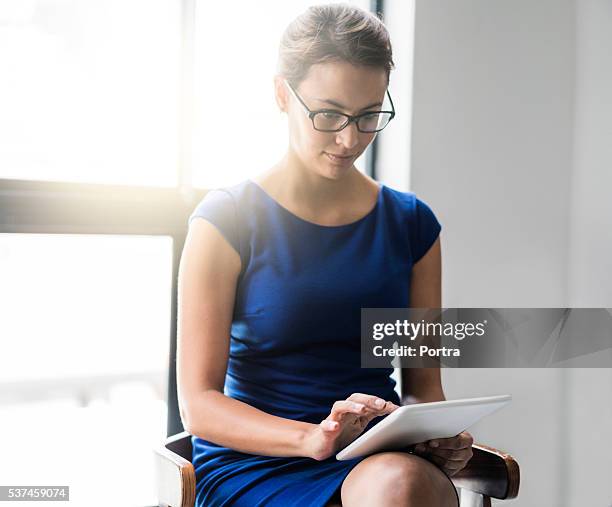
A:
(411, 424)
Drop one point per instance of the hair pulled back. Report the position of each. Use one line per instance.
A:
(333, 32)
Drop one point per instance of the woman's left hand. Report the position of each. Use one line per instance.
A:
(450, 454)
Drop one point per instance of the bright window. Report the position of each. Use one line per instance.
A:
(85, 333)
(89, 90)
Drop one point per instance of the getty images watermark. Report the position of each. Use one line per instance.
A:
(486, 337)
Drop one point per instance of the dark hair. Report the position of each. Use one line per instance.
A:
(333, 32)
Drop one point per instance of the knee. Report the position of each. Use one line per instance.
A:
(405, 479)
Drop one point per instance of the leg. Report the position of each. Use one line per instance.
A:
(397, 479)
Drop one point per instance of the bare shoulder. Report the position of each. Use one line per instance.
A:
(372, 185)
(268, 179)
(207, 252)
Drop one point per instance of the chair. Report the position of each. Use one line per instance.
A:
(489, 474)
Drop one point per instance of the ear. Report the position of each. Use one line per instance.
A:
(280, 93)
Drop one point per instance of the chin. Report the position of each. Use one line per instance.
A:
(334, 171)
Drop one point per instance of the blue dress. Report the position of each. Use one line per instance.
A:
(295, 336)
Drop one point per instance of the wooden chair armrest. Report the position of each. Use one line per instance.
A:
(175, 476)
(490, 472)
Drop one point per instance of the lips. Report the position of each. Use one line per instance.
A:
(339, 155)
(338, 158)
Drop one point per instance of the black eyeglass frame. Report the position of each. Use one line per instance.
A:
(350, 119)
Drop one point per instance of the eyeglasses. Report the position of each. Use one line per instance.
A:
(330, 120)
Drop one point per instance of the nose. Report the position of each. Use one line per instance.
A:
(348, 136)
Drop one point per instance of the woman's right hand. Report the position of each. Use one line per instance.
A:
(346, 421)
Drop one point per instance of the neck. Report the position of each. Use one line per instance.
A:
(313, 190)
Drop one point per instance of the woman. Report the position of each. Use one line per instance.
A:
(283, 264)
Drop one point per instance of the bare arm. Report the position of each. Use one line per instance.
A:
(208, 275)
(424, 384)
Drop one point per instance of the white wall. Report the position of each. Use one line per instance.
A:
(491, 144)
(589, 405)
(591, 231)
(511, 146)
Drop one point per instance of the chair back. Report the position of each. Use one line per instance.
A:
(180, 444)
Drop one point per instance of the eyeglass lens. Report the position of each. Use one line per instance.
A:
(372, 122)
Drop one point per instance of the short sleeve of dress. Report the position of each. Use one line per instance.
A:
(218, 208)
(426, 230)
